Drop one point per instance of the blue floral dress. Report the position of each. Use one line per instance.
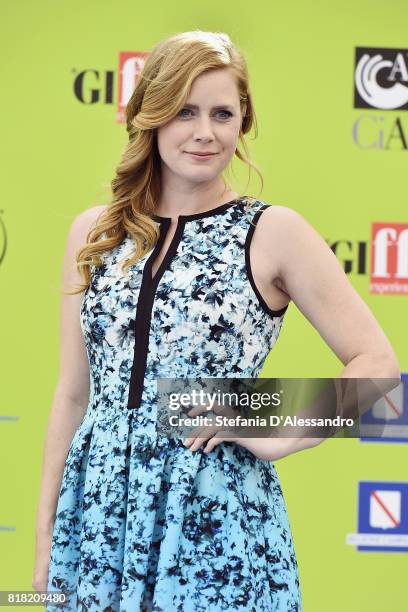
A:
(142, 522)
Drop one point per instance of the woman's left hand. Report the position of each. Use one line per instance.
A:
(269, 449)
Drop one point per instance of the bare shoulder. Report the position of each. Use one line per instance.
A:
(76, 238)
(288, 217)
(274, 228)
(276, 218)
(286, 235)
(86, 219)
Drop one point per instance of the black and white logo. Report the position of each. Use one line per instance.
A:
(381, 78)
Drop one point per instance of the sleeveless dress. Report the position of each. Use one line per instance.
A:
(142, 522)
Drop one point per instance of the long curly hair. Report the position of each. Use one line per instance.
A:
(161, 92)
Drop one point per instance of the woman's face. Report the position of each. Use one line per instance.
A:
(209, 122)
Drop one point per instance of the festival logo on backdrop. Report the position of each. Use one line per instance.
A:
(93, 86)
(389, 258)
(388, 247)
(381, 78)
(380, 84)
(382, 517)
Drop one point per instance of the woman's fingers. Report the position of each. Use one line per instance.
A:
(196, 438)
(211, 431)
(217, 439)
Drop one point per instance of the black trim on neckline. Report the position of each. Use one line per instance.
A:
(144, 309)
(207, 213)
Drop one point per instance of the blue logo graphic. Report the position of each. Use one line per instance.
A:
(382, 517)
(387, 419)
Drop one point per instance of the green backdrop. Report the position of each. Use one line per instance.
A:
(58, 157)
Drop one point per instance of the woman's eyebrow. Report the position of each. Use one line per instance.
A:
(219, 106)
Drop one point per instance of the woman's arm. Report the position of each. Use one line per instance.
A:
(318, 285)
(313, 277)
(70, 398)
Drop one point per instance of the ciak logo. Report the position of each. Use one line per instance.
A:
(381, 78)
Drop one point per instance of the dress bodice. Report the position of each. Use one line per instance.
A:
(200, 316)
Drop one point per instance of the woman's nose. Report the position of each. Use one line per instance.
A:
(203, 128)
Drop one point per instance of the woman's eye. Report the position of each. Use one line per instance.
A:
(188, 110)
(226, 113)
(184, 109)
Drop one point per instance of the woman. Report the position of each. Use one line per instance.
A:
(128, 519)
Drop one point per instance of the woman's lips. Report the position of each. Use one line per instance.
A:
(199, 156)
